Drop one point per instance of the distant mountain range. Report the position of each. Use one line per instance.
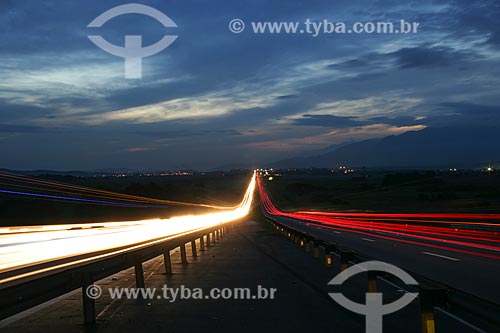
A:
(429, 148)
(433, 147)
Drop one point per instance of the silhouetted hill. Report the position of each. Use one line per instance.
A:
(431, 147)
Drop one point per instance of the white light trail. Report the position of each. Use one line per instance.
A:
(25, 246)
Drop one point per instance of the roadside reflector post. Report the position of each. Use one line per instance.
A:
(193, 248)
(167, 262)
(328, 259)
(372, 281)
(88, 303)
(202, 243)
(183, 254)
(429, 299)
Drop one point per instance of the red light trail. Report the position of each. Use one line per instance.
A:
(441, 231)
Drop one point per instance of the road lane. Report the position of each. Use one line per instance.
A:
(475, 268)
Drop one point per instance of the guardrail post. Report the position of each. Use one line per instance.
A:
(308, 245)
(216, 232)
(345, 256)
(139, 274)
(202, 243)
(87, 302)
(167, 262)
(193, 248)
(315, 245)
(183, 254)
(208, 239)
(430, 298)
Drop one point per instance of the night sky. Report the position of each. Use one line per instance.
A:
(215, 98)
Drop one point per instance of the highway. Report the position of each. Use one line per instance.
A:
(459, 251)
(26, 251)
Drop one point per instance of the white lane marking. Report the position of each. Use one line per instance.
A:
(441, 256)
(368, 239)
(336, 232)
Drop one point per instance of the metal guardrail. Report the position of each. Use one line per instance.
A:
(433, 296)
(25, 289)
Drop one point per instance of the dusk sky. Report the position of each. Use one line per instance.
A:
(215, 98)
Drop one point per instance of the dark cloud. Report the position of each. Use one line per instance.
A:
(421, 57)
(285, 97)
(398, 121)
(327, 121)
(169, 132)
(464, 113)
(14, 129)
